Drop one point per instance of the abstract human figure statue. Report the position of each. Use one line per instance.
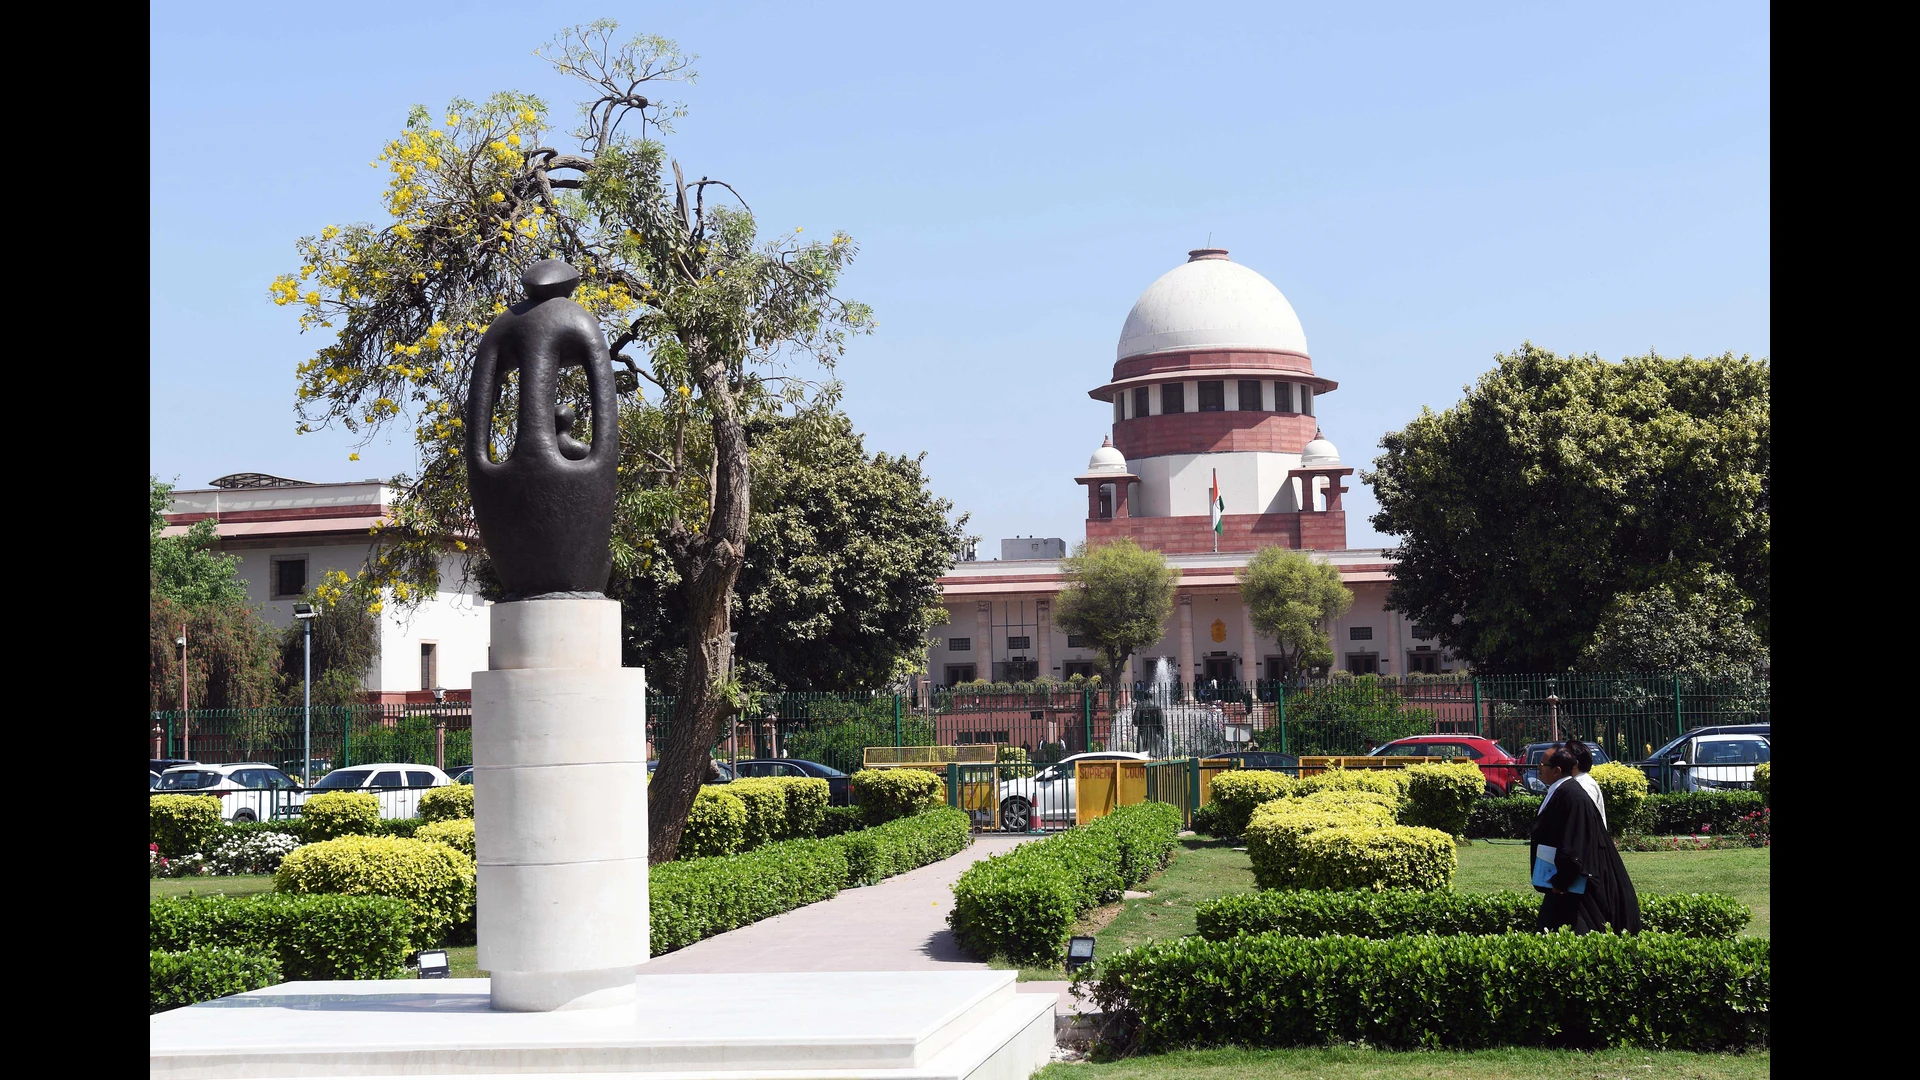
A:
(546, 512)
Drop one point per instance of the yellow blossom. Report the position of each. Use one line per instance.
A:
(353, 457)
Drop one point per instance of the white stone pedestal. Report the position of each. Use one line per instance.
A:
(560, 808)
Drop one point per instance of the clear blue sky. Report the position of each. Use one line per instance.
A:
(1428, 185)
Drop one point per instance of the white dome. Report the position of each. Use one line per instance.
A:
(1107, 459)
(1211, 303)
(1319, 454)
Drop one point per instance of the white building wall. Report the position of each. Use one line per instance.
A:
(457, 622)
(1179, 485)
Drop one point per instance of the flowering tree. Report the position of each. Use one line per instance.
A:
(707, 324)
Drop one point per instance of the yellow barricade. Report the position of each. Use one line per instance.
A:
(1132, 784)
(893, 757)
(1095, 789)
(1210, 768)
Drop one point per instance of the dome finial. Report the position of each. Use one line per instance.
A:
(1106, 440)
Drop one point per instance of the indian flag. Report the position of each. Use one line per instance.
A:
(1218, 507)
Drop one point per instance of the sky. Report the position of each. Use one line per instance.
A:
(1429, 185)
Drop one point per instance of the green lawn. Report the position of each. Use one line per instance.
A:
(1743, 873)
(1421, 1065)
(239, 885)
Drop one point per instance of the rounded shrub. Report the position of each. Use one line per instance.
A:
(1237, 793)
(251, 853)
(886, 794)
(1383, 781)
(456, 833)
(1443, 796)
(1624, 789)
(716, 825)
(1376, 857)
(807, 799)
(765, 800)
(1277, 829)
(195, 975)
(182, 824)
(340, 813)
(1763, 783)
(447, 803)
(435, 880)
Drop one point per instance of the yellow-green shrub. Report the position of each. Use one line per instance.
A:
(457, 833)
(1442, 796)
(1763, 783)
(340, 813)
(807, 799)
(182, 824)
(765, 800)
(1385, 781)
(1624, 789)
(1237, 793)
(1275, 832)
(434, 880)
(715, 826)
(886, 794)
(447, 803)
(1375, 857)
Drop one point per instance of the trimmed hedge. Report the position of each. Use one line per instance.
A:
(1623, 789)
(765, 801)
(1442, 796)
(1210, 820)
(1654, 990)
(1277, 828)
(310, 937)
(1763, 783)
(1022, 905)
(835, 820)
(886, 794)
(435, 881)
(332, 814)
(182, 824)
(1685, 813)
(806, 805)
(456, 833)
(1400, 912)
(1380, 857)
(1239, 792)
(187, 978)
(447, 803)
(875, 854)
(1382, 781)
(715, 826)
(1510, 818)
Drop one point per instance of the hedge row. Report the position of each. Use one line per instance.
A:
(310, 937)
(749, 812)
(1763, 783)
(1460, 992)
(1345, 839)
(1400, 912)
(691, 899)
(1238, 793)
(1022, 905)
(434, 880)
(885, 795)
(1680, 813)
(191, 976)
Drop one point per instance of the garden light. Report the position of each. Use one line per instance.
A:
(1079, 952)
(433, 965)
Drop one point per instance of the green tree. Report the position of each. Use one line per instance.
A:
(1118, 596)
(345, 631)
(187, 570)
(713, 320)
(1704, 633)
(844, 557)
(1559, 484)
(1289, 595)
(198, 592)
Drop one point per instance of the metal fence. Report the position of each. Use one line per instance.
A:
(1626, 714)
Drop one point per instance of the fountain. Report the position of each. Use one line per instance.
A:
(1161, 726)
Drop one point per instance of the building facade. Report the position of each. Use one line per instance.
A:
(287, 534)
(1216, 407)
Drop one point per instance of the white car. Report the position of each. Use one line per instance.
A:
(1719, 762)
(1046, 797)
(247, 790)
(398, 785)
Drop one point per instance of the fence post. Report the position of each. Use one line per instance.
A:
(1280, 707)
(169, 752)
(1193, 787)
(1086, 720)
(896, 721)
(1679, 722)
(1478, 729)
(346, 737)
(953, 784)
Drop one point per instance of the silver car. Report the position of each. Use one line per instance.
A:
(1046, 799)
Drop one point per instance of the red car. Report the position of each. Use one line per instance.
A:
(1499, 767)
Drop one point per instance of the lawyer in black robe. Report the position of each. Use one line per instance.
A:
(1570, 824)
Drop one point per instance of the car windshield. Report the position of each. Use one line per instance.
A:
(1733, 752)
(192, 778)
(342, 778)
(830, 771)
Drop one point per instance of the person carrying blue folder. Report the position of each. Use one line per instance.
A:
(1574, 863)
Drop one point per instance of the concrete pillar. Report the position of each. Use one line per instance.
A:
(1187, 673)
(1043, 630)
(560, 808)
(983, 639)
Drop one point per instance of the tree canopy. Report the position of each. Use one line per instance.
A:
(1117, 595)
(197, 591)
(1560, 485)
(1289, 596)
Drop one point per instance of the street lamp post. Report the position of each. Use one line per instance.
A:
(1553, 723)
(305, 613)
(186, 722)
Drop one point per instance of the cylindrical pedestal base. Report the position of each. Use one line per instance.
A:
(560, 808)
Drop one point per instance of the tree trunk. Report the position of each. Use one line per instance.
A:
(709, 564)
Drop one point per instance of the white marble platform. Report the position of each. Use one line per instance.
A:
(917, 1025)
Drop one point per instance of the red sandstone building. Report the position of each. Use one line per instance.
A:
(1212, 384)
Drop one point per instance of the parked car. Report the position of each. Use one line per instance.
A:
(398, 785)
(316, 768)
(1259, 759)
(718, 772)
(1047, 797)
(1658, 764)
(247, 790)
(1534, 753)
(162, 764)
(837, 792)
(153, 780)
(1498, 766)
(1707, 762)
(465, 776)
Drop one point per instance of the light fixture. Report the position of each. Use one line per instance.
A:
(439, 695)
(304, 611)
(433, 965)
(1079, 952)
